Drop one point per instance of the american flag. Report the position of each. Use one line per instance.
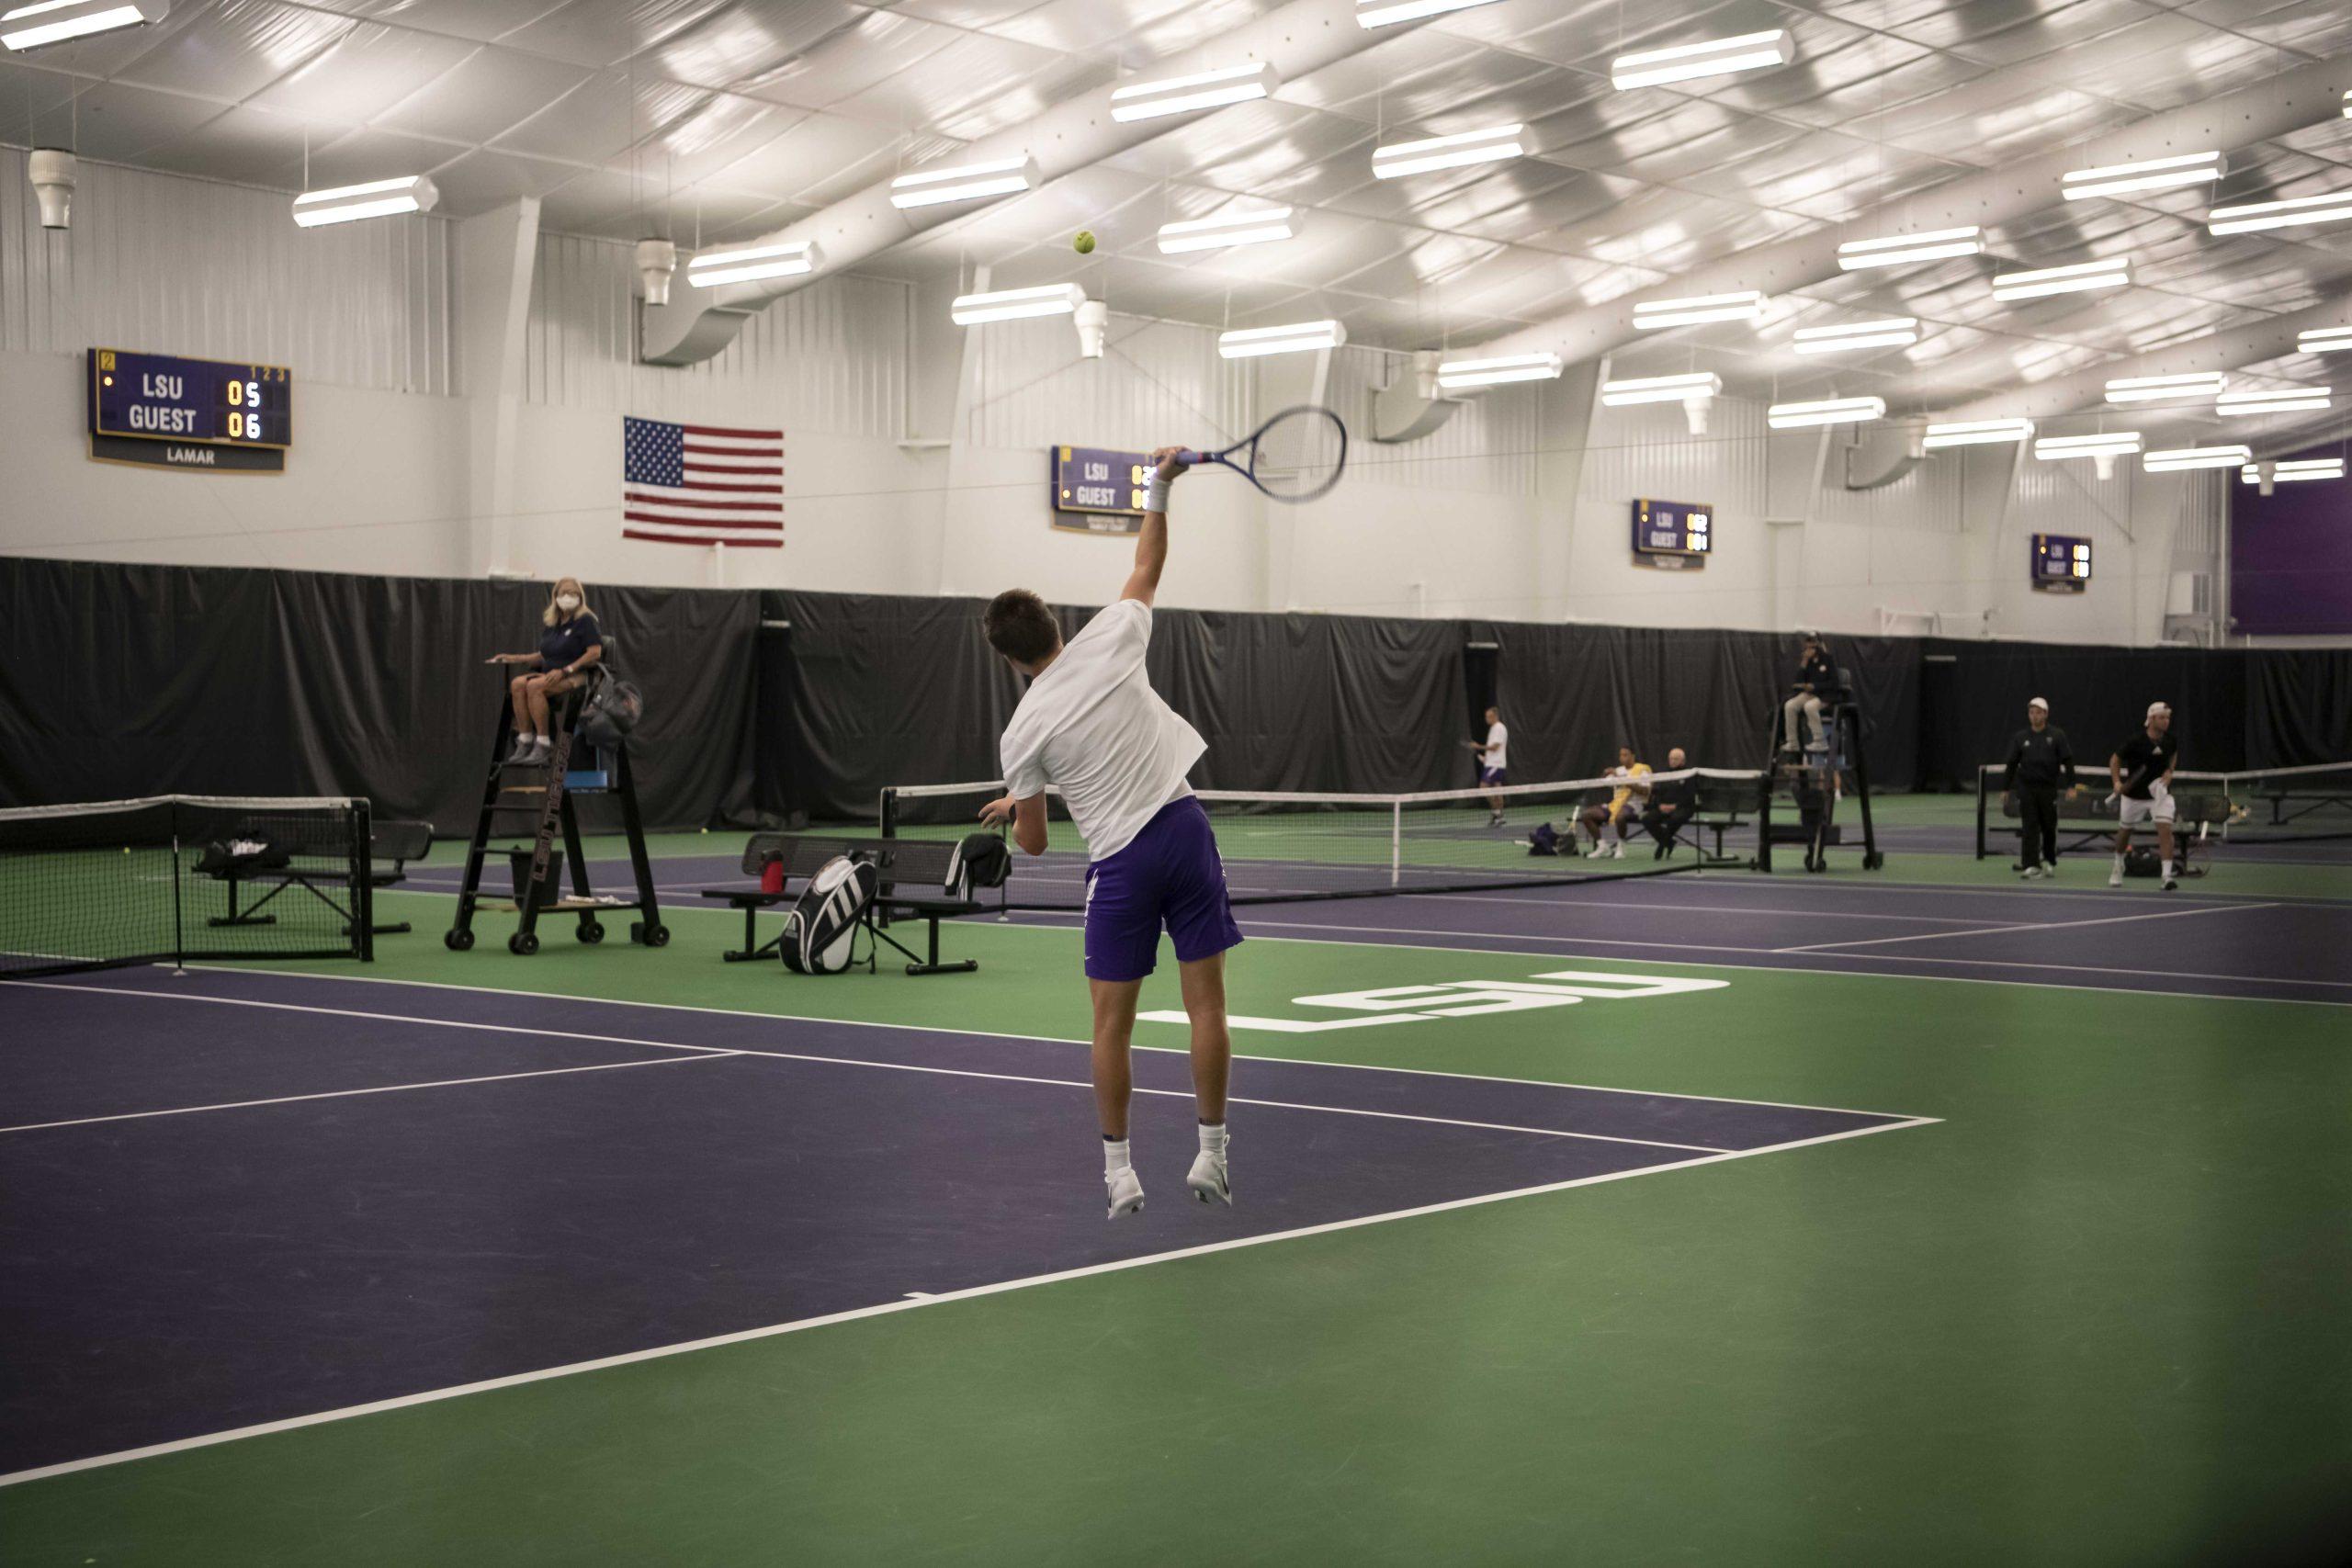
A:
(702, 484)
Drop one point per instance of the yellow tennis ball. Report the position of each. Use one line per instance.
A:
(1084, 242)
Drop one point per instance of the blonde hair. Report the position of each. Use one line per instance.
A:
(553, 616)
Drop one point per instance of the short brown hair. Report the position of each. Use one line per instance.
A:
(1020, 626)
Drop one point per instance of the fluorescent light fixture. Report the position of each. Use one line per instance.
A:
(1649, 315)
(785, 260)
(2176, 459)
(2324, 340)
(2166, 389)
(2254, 216)
(1202, 90)
(1829, 411)
(1903, 250)
(1012, 304)
(1716, 57)
(2294, 472)
(1298, 337)
(2106, 444)
(1455, 375)
(964, 182)
(2113, 271)
(1383, 13)
(1976, 433)
(1696, 386)
(377, 199)
(51, 21)
(1888, 331)
(2153, 174)
(1489, 146)
(2347, 104)
(1227, 228)
(2282, 400)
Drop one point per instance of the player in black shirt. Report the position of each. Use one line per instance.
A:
(2039, 762)
(1817, 680)
(2141, 770)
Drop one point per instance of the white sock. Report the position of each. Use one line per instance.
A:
(1213, 1138)
(528, 737)
(1114, 1156)
(2119, 861)
(2167, 871)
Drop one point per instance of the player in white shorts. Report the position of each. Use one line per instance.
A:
(2141, 770)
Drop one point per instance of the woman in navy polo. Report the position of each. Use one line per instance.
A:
(569, 644)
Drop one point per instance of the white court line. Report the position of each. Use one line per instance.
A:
(208, 1439)
(380, 1089)
(1637, 904)
(834, 1061)
(1062, 1040)
(2035, 926)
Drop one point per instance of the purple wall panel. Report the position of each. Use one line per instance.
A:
(2290, 557)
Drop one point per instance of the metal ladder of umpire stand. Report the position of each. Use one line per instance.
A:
(546, 806)
(1843, 720)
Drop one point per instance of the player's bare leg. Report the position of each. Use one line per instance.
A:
(2164, 848)
(1114, 1027)
(2123, 848)
(1204, 984)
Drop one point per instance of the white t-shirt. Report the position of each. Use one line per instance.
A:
(1498, 745)
(1092, 725)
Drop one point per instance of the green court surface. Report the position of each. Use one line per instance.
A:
(2093, 1312)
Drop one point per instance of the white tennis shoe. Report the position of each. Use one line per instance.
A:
(1208, 1180)
(1127, 1192)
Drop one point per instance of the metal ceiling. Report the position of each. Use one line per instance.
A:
(722, 120)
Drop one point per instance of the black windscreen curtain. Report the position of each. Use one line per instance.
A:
(118, 681)
(125, 680)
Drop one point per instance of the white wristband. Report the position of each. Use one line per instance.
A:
(1156, 498)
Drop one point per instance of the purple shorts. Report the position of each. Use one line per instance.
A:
(1490, 775)
(1168, 872)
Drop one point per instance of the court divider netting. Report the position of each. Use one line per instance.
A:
(2310, 803)
(1297, 846)
(181, 877)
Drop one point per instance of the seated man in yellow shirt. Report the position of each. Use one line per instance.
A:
(1625, 807)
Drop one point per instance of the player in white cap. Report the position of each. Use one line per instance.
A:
(2141, 770)
(2041, 760)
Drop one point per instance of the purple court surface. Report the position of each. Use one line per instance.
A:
(241, 1198)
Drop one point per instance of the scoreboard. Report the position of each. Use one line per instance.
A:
(164, 410)
(2062, 563)
(1096, 491)
(1672, 534)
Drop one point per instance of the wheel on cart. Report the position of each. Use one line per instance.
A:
(650, 935)
(522, 944)
(1872, 861)
(591, 932)
(456, 938)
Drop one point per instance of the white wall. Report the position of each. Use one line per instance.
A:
(916, 452)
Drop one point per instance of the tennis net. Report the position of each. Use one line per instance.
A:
(1287, 847)
(182, 877)
(2311, 803)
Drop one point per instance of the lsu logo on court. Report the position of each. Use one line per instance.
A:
(1463, 999)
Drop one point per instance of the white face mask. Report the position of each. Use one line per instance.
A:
(566, 603)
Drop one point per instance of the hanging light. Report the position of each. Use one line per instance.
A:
(1651, 315)
(1715, 57)
(377, 199)
(1827, 411)
(2294, 471)
(2166, 388)
(1298, 337)
(1201, 90)
(2152, 173)
(964, 182)
(1458, 375)
(1013, 304)
(788, 259)
(1488, 146)
(2177, 459)
(2112, 272)
(1226, 228)
(1976, 433)
(1904, 250)
(1887, 332)
(53, 21)
(2280, 400)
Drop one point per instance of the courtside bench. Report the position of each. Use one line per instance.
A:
(390, 846)
(913, 875)
(1720, 806)
(2089, 819)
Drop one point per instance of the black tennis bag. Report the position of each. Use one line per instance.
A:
(980, 861)
(611, 711)
(242, 854)
(821, 931)
(1545, 841)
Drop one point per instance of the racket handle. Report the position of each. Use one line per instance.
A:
(1189, 458)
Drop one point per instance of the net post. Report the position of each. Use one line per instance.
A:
(179, 923)
(885, 812)
(1980, 812)
(363, 882)
(1396, 843)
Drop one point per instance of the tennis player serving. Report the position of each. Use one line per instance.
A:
(1092, 723)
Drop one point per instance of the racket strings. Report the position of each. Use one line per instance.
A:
(1299, 454)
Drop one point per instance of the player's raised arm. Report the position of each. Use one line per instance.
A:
(1151, 545)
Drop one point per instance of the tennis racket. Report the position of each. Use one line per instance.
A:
(1297, 455)
(2134, 782)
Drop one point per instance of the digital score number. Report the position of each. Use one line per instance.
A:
(166, 411)
(1099, 491)
(2062, 564)
(1672, 535)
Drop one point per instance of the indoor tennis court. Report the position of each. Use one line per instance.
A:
(881, 782)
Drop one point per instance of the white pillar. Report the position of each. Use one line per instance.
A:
(495, 252)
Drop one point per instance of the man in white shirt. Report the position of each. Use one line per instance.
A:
(1493, 759)
(1091, 725)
